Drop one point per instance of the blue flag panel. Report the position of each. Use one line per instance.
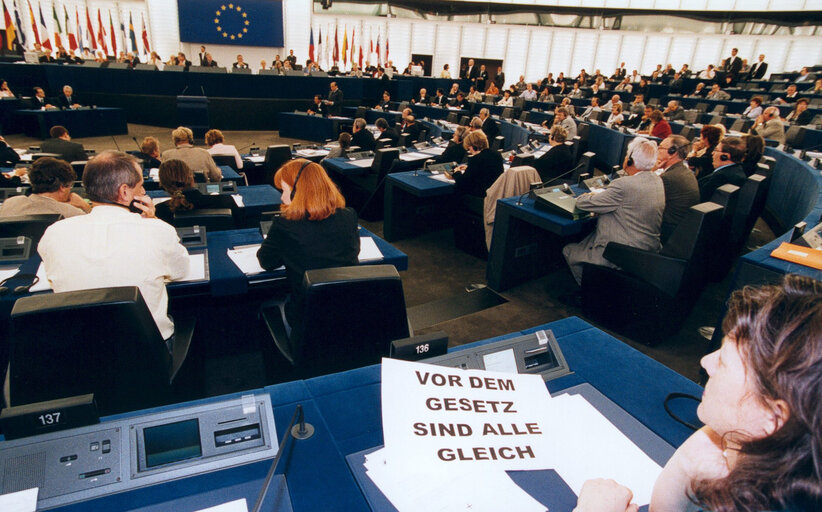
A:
(243, 22)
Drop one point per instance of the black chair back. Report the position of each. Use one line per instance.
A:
(507, 113)
(275, 157)
(497, 143)
(794, 136)
(691, 116)
(228, 160)
(213, 219)
(701, 107)
(383, 160)
(106, 343)
(29, 226)
(524, 116)
(452, 117)
(361, 112)
(350, 316)
(719, 109)
(689, 132)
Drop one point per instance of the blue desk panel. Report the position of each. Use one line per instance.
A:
(299, 125)
(81, 122)
(416, 203)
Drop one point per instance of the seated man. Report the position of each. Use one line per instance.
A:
(489, 125)
(557, 160)
(198, 159)
(318, 107)
(410, 126)
(361, 137)
(39, 100)
(717, 93)
(681, 188)
(422, 98)
(440, 99)
(562, 118)
(385, 104)
(60, 144)
(119, 247)
(51, 182)
(593, 107)
(727, 158)
(385, 132)
(630, 211)
(67, 98)
(615, 100)
(769, 126)
(791, 96)
(673, 112)
(507, 100)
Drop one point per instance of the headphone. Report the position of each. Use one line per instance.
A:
(724, 157)
(18, 290)
(630, 162)
(299, 173)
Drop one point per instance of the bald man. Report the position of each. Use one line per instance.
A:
(769, 126)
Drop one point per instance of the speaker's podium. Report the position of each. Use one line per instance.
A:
(192, 112)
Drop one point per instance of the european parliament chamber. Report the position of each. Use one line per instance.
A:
(567, 258)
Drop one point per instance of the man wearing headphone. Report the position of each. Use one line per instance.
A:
(769, 126)
(681, 188)
(727, 157)
(629, 210)
(198, 159)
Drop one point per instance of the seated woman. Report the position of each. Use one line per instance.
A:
(454, 152)
(492, 90)
(5, 92)
(483, 168)
(51, 182)
(344, 142)
(558, 159)
(754, 149)
(700, 159)
(760, 447)
(150, 153)
(315, 229)
(177, 178)
(215, 141)
(616, 118)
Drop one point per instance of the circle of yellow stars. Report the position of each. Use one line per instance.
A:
(230, 8)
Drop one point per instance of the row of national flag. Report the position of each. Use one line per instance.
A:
(330, 54)
(69, 31)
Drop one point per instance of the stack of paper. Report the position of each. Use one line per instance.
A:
(364, 162)
(451, 435)
(369, 250)
(245, 257)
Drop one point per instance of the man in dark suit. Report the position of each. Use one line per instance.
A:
(335, 99)
(39, 100)
(471, 72)
(385, 132)
(733, 64)
(681, 188)
(385, 104)
(67, 98)
(441, 100)
(727, 158)
(499, 78)
(557, 160)
(202, 56)
(318, 107)
(361, 137)
(409, 125)
(489, 125)
(422, 98)
(292, 58)
(60, 144)
(758, 70)
(482, 79)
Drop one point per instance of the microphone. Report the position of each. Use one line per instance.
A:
(184, 90)
(202, 90)
(115, 143)
(136, 143)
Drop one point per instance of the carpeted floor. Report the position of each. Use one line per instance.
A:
(437, 271)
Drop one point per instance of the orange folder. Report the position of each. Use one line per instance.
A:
(799, 254)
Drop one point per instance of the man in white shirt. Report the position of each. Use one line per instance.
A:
(615, 100)
(113, 245)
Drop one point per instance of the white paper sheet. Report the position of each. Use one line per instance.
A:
(442, 177)
(309, 153)
(196, 268)
(43, 284)
(414, 156)
(434, 151)
(257, 159)
(588, 446)
(364, 162)
(20, 501)
(246, 259)
(369, 250)
(158, 200)
(6, 273)
(232, 506)
(154, 173)
(238, 200)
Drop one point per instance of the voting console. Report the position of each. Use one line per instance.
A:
(115, 456)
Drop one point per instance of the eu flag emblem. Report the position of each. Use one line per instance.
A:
(243, 22)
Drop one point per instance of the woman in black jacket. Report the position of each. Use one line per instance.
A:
(483, 168)
(454, 152)
(315, 229)
(177, 178)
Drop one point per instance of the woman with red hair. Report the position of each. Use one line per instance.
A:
(314, 230)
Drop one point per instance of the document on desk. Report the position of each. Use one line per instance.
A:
(311, 153)
(20, 501)
(42, 283)
(245, 258)
(363, 162)
(232, 506)
(442, 177)
(369, 250)
(6, 273)
(238, 200)
(414, 156)
(196, 268)
(257, 159)
(436, 150)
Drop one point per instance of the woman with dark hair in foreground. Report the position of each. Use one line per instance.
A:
(761, 446)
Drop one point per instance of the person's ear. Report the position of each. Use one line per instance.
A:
(122, 193)
(780, 414)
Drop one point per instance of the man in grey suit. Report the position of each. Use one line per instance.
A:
(630, 210)
(681, 188)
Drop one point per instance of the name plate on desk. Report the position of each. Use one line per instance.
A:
(16, 248)
(421, 347)
(192, 236)
(221, 187)
(537, 353)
